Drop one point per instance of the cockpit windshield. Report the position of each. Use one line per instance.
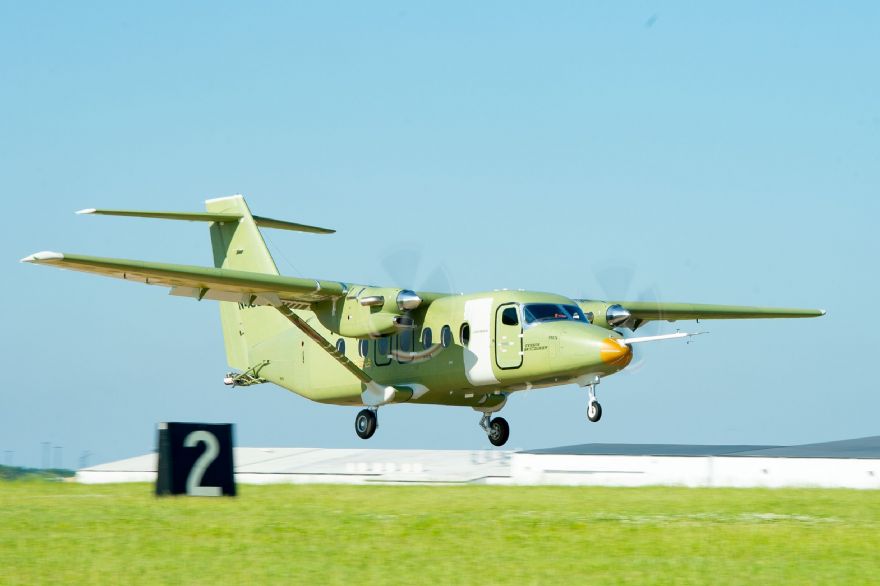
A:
(542, 312)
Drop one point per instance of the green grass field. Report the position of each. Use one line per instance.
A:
(316, 534)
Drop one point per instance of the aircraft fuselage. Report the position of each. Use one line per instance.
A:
(491, 344)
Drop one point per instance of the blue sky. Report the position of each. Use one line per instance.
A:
(713, 153)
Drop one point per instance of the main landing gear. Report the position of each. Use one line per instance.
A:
(366, 422)
(594, 409)
(496, 428)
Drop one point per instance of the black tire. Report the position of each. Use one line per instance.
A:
(594, 415)
(499, 431)
(365, 424)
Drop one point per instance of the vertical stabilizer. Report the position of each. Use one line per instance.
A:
(239, 245)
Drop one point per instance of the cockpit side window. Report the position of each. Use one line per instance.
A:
(509, 317)
(576, 314)
(541, 312)
(538, 312)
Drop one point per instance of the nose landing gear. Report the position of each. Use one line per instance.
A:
(594, 409)
(365, 423)
(496, 428)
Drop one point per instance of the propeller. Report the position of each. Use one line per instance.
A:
(616, 282)
(403, 263)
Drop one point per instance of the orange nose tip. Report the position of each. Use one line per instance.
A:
(613, 352)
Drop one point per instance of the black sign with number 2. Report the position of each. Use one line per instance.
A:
(195, 459)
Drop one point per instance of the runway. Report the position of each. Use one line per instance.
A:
(851, 463)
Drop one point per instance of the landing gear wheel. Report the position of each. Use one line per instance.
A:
(365, 423)
(499, 431)
(594, 411)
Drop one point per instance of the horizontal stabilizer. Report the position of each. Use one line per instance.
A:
(264, 222)
(208, 217)
(190, 216)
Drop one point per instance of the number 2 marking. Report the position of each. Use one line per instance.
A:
(212, 449)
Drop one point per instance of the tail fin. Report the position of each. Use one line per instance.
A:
(239, 245)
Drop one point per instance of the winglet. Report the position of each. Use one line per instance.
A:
(43, 256)
(86, 211)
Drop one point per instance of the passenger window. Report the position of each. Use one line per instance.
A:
(404, 343)
(427, 341)
(446, 336)
(363, 348)
(383, 348)
(340, 346)
(464, 334)
(509, 317)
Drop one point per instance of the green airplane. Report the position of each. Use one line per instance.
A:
(349, 344)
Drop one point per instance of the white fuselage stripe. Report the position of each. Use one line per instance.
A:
(478, 353)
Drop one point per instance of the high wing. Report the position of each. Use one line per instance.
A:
(246, 287)
(633, 314)
(652, 310)
(245, 273)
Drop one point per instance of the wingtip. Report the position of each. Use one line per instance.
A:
(822, 312)
(86, 211)
(43, 256)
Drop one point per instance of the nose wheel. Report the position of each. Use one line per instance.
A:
(496, 428)
(594, 409)
(365, 423)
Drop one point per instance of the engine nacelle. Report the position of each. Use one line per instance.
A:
(368, 312)
(605, 315)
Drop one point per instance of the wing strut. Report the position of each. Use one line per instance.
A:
(630, 341)
(375, 393)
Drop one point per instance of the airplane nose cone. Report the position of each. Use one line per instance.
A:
(613, 352)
